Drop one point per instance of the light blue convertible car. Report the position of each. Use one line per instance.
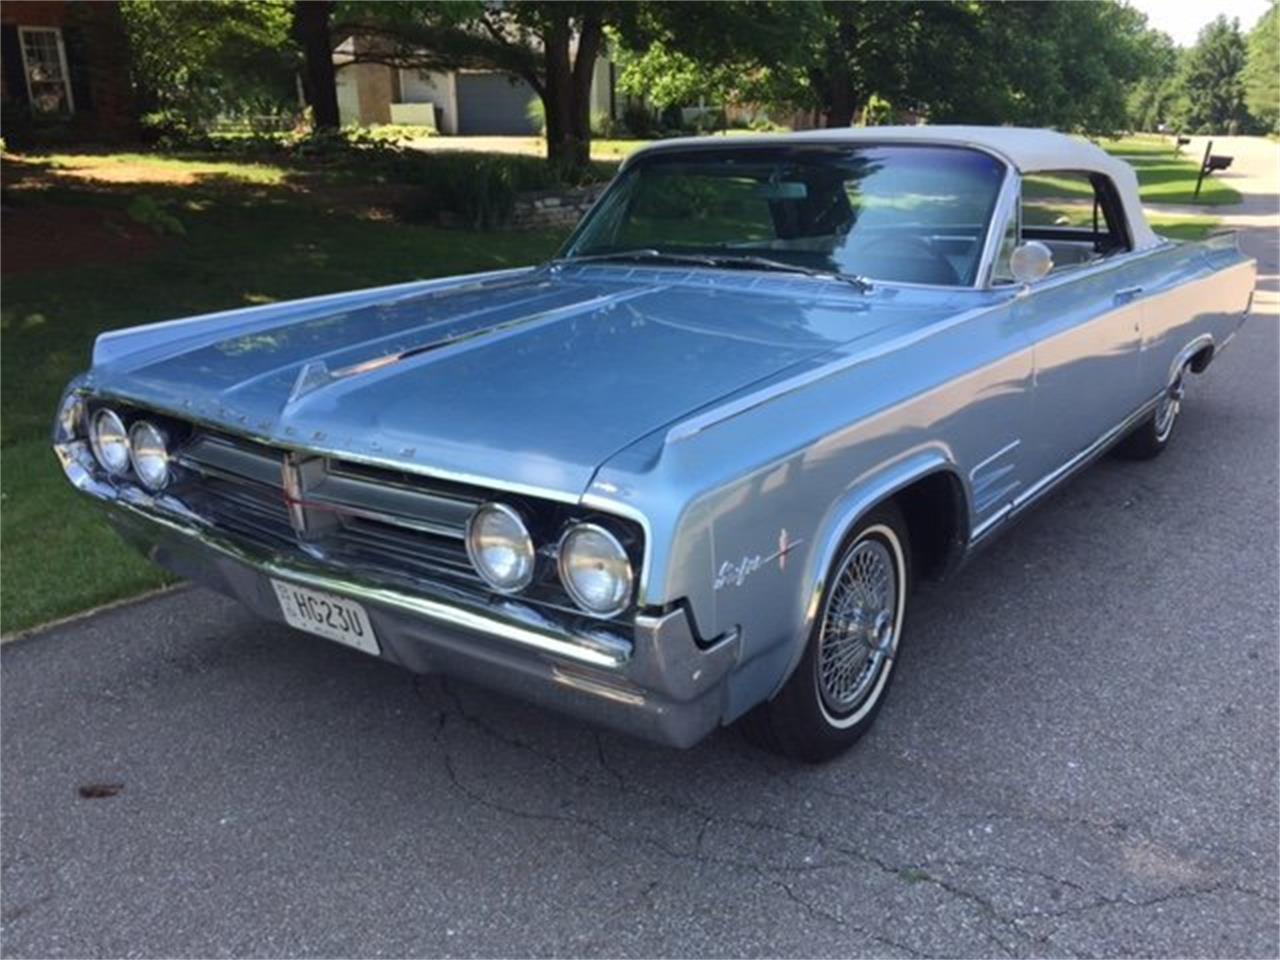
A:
(688, 471)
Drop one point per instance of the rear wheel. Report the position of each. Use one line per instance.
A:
(833, 696)
(1149, 439)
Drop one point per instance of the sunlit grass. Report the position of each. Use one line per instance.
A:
(151, 168)
(1145, 144)
(1183, 228)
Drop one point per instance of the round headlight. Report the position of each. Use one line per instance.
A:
(110, 442)
(500, 547)
(149, 455)
(595, 569)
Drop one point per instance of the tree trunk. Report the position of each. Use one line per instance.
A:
(310, 27)
(566, 95)
(838, 96)
(557, 95)
(840, 105)
(584, 66)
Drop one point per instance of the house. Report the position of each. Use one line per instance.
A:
(455, 102)
(64, 70)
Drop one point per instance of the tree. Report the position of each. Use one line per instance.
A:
(737, 51)
(1153, 98)
(1262, 70)
(1068, 65)
(1063, 65)
(311, 29)
(194, 62)
(1211, 80)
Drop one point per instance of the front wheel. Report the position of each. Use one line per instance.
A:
(833, 696)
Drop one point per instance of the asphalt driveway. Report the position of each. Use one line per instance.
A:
(1079, 757)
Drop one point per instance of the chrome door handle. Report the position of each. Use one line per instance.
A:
(1127, 294)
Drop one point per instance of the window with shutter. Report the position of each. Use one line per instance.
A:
(44, 61)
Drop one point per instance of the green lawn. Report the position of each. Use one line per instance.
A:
(243, 244)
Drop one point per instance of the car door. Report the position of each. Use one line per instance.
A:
(1084, 319)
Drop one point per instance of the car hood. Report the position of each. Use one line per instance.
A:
(531, 381)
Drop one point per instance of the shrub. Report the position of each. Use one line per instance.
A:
(536, 111)
(481, 192)
(762, 124)
(604, 126)
(480, 189)
(151, 213)
(638, 121)
(388, 134)
(879, 112)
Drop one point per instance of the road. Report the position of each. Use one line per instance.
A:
(1079, 758)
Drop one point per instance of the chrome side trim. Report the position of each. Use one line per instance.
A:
(989, 524)
(994, 457)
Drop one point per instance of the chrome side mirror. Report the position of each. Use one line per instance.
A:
(1030, 261)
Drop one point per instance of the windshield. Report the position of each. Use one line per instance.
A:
(914, 214)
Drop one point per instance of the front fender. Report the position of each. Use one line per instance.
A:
(841, 518)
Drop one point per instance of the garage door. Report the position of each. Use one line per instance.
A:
(494, 104)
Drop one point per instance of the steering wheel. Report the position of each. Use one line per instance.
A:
(906, 246)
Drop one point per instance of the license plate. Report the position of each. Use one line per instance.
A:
(326, 615)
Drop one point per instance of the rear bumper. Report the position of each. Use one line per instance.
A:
(659, 683)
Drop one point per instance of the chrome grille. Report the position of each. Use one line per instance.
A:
(384, 521)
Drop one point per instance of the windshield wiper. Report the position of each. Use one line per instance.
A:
(716, 260)
(768, 263)
(647, 253)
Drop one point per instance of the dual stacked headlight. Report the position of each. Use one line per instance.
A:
(142, 447)
(594, 567)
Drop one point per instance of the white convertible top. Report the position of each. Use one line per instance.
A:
(1027, 150)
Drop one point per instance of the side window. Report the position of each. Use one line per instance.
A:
(1077, 215)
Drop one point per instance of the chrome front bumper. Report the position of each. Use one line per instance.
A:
(660, 683)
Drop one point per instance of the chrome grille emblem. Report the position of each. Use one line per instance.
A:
(291, 478)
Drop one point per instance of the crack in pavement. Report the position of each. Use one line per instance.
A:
(855, 857)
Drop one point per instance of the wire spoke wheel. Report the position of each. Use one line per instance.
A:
(860, 626)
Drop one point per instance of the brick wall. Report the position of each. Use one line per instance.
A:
(97, 52)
